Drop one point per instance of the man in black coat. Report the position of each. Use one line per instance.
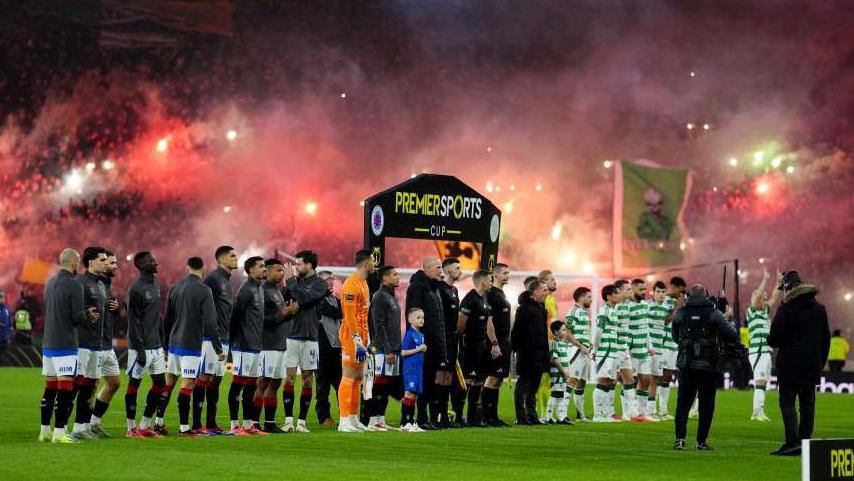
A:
(423, 293)
(802, 338)
(699, 329)
(530, 340)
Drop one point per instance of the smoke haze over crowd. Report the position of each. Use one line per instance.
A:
(269, 138)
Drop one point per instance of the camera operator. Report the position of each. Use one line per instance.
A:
(699, 329)
(802, 338)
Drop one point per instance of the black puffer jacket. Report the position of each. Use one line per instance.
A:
(423, 293)
(801, 334)
(529, 337)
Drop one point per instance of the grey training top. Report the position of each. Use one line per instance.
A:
(145, 331)
(219, 280)
(307, 292)
(276, 326)
(94, 295)
(63, 311)
(247, 318)
(189, 314)
(385, 320)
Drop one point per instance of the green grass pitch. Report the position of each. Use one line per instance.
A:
(587, 451)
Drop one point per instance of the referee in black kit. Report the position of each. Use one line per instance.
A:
(699, 328)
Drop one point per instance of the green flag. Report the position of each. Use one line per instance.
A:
(648, 206)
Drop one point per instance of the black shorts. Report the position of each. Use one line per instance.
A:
(473, 358)
(499, 367)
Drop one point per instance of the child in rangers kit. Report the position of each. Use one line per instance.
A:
(412, 349)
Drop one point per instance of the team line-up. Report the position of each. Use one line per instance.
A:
(286, 321)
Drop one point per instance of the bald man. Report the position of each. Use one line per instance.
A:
(423, 293)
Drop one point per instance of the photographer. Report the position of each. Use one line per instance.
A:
(802, 338)
(700, 330)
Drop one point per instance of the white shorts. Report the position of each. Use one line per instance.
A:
(246, 364)
(273, 364)
(155, 363)
(623, 361)
(606, 367)
(761, 364)
(642, 366)
(579, 365)
(108, 363)
(88, 363)
(213, 365)
(666, 360)
(59, 362)
(185, 366)
(384, 368)
(301, 353)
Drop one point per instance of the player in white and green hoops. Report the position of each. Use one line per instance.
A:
(657, 312)
(605, 349)
(759, 353)
(641, 348)
(578, 325)
(624, 358)
(558, 373)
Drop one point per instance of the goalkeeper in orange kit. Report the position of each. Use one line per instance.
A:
(355, 299)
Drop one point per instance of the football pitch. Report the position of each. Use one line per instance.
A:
(584, 451)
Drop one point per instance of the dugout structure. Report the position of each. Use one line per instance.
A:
(433, 207)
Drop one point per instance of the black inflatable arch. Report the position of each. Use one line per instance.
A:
(433, 207)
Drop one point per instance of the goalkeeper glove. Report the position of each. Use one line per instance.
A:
(361, 352)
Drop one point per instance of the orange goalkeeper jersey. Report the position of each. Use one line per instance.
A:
(355, 298)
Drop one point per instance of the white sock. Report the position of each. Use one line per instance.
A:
(247, 423)
(145, 424)
(95, 420)
(640, 405)
(183, 428)
(650, 405)
(235, 424)
(301, 422)
(78, 427)
(289, 420)
(131, 424)
(157, 422)
(663, 399)
(58, 432)
(759, 401)
(612, 403)
(579, 404)
(600, 402)
(45, 429)
(562, 405)
(550, 407)
(354, 420)
(628, 401)
(373, 421)
(88, 426)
